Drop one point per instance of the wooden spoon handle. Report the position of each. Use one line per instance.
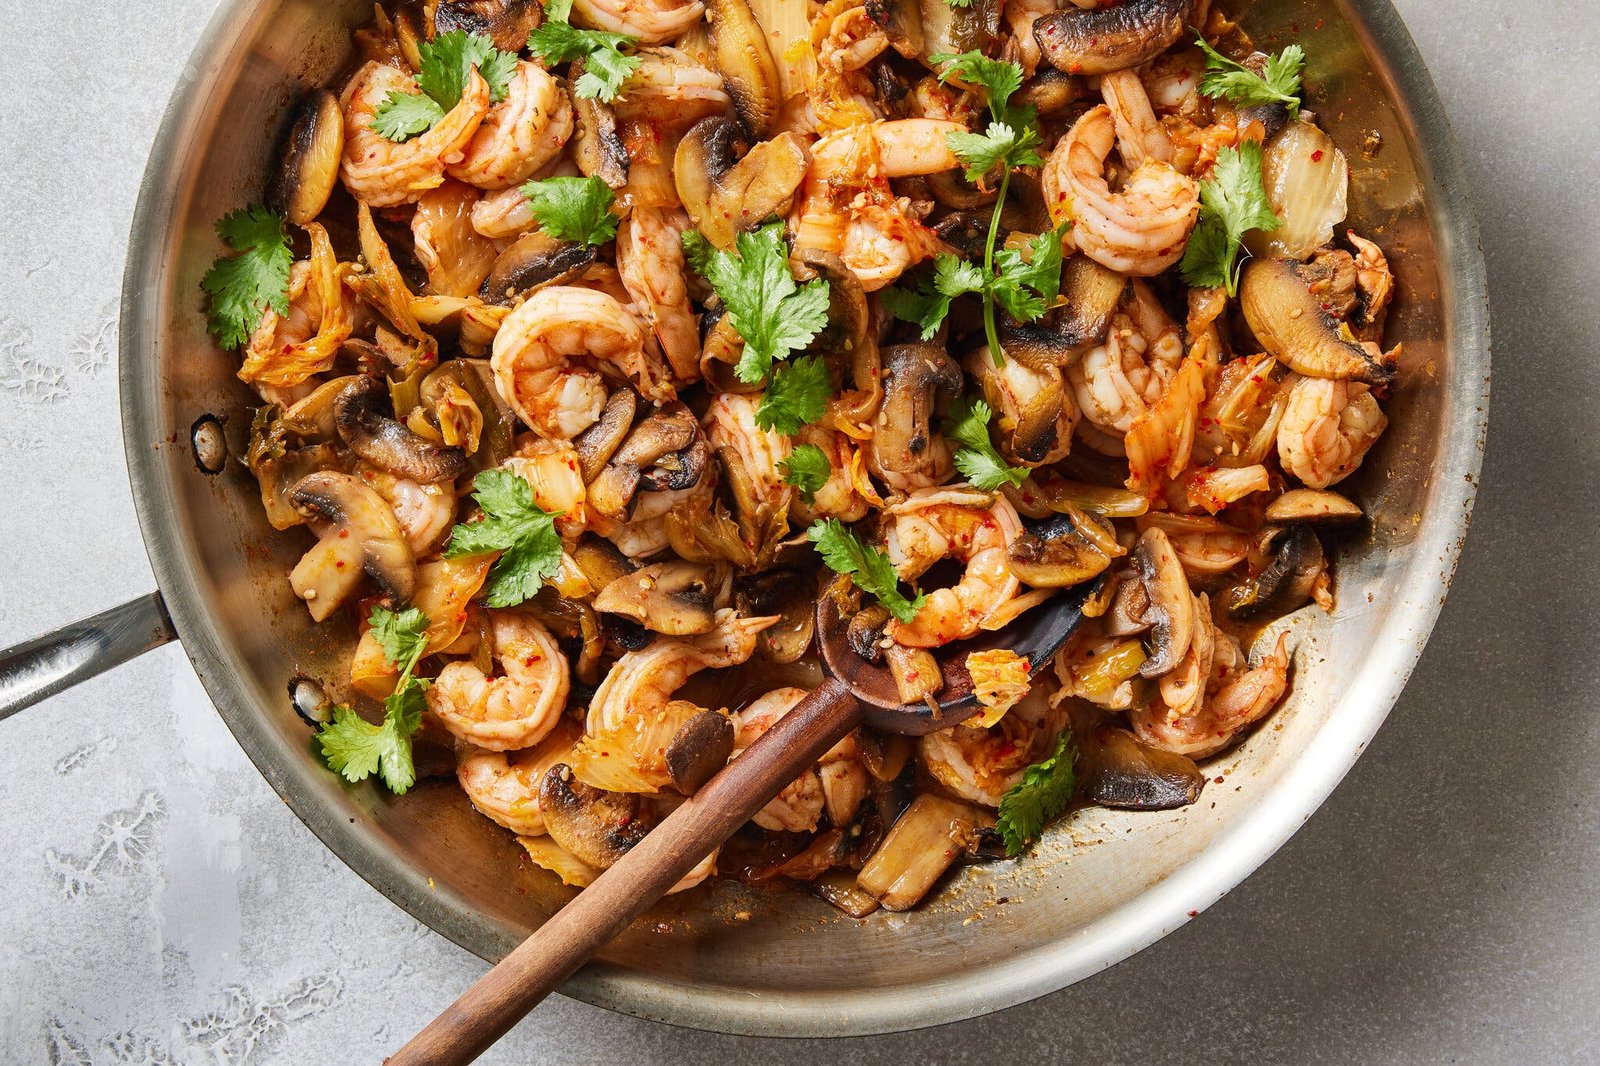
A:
(600, 912)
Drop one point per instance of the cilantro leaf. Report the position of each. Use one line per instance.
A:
(605, 65)
(929, 303)
(1000, 145)
(796, 395)
(1232, 203)
(807, 469)
(446, 66)
(959, 3)
(404, 115)
(573, 209)
(996, 77)
(967, 423)
(357, 749)
(1279, 83)
(868, 567)
(1039, 271)
(242, 287)
(402, 635)
(1044, 792)
(515, 526)
(772, 312)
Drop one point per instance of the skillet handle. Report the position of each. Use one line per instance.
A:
(487, 1010)
(41, 667)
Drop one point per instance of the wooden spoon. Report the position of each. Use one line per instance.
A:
(854, 693)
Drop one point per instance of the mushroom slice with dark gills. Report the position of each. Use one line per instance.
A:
(675, 598)
(1170, 610)
(1291, 324)
(362, 537)
(726, 195)
(905, 451)
(1035, 414)
(596, 146)
(389, 444)
(664, 452)
(597, 444)
(1101, 40)
(1286, 583)
(699, 749)
(310, 166)
(532, 261)
(848, 341)
(1063, 550)
(506, 22)
(745, 62)
(596, 826)
(1313, 507)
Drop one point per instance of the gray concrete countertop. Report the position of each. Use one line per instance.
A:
(161, 905)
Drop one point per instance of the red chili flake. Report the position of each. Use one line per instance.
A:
(338, 564)
(1319, 24)
(1316, 157)
(1194, 914)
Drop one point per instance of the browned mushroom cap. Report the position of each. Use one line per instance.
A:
(965, 231)
(363, 538)
(597, 444)
(388, 444)
(789, 595)
(1126, 615)
(508, 22)
(1289, 322)
(1048, 92)
(865, 632)
(1062, 550)
(1106, 39)
(596, 147)
(952, 189)
(740, 47)
(916, 376)
(699, 748)
(310, 167)
(1092, 293)
(279, 464)
(596, 826)
(1313, 507)
(721, 348)
(600, 560)
(533, 261)
(1286, 583)
(724, 197)
(1116, 770)
(1030, 424)
(675, 598)
(902, 24)
(664, 451)
(1171, 608)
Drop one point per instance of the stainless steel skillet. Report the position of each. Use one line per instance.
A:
(729, 958)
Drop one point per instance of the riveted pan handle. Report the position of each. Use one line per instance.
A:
(41, 667)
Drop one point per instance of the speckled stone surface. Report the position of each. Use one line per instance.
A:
(161, 905)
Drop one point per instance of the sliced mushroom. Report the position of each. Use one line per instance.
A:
(725, 197)
(533, 261)
(902, 24)
(865, 633)
(279, 466)
(1126, 615)
(1092, 293)
(740, 46)
(721, 348)
(362, 537)
(507, 22)
(965, 231)
(596, 146)
(1287, 581)
(1116, 770)
(952, 189)
(1101, 40)
(596, 826)
(1171, 608)
(1062, 550)
(310, 167)
(916, 377)
(699, 748)
(1032, 407)
(673, 598)
(665, 450)
(1313, 507)
(597, 444)
(1289, 322)
(388, 444)
(600, 560)
(789, 595)
(1048, 92)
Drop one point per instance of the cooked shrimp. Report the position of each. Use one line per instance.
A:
(798, 808)
(640, 538)
(1205, 546)
(507, 213)
(552, 469)
(1115, 383)
(1231, 704)
(1140, 135)
(519, 707)
(844, 38)
(535, 352)
(1328, 426)
(981, 764)
(847, 207)
(838, 497)
(383, 173)
(456, 256)
(425, 512)
(845, 780)
(1012, 389)
(672, 88)
(633, 712)
(1140, 229)
(505, 787)
(935, 524)
(1376, 284)
(520, 134)
(730, 422)
(650, 260)
(651, 21)
(1172, 81)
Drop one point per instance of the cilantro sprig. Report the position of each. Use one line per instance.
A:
(867, 566)
(807, 469)
(243, 286)
(515, 526)
(967, 423)
(775, 315)
(573, 209)
(1278, 83)
(446, 67)
(1044, 792)
(356, 748)
(1232, 203)
(1023, 285)
(605, 65)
